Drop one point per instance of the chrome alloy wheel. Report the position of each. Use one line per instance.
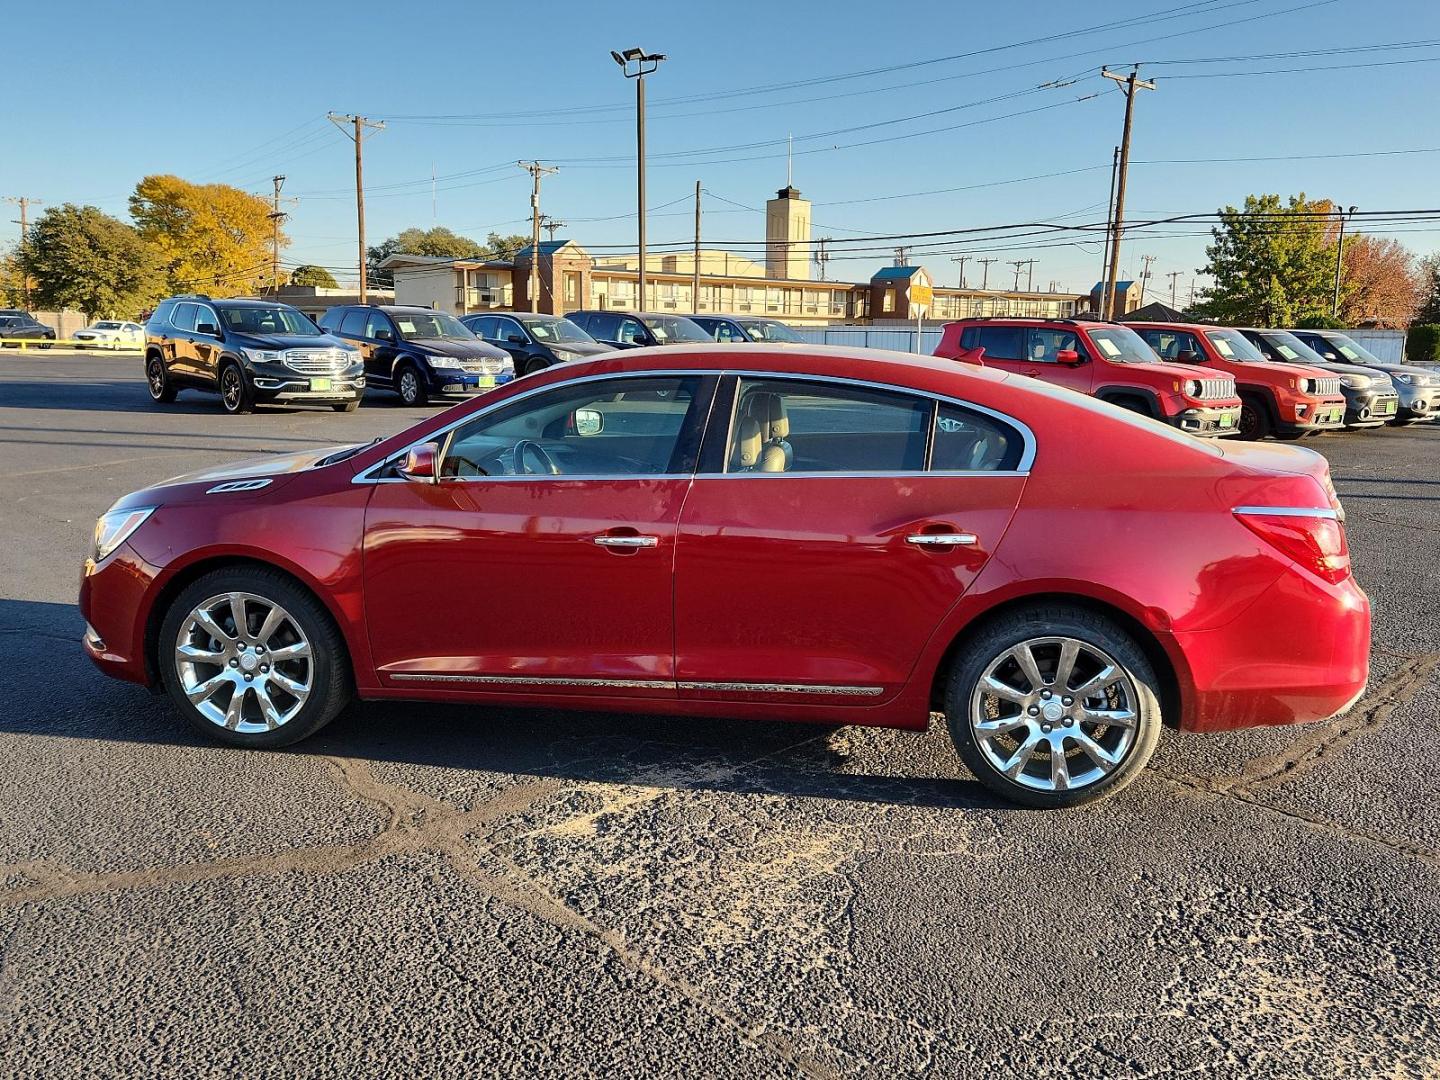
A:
(156, 373)
(231, 388)
(244, 662)
(1054, 714)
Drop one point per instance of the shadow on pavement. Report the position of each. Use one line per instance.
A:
(51, 689)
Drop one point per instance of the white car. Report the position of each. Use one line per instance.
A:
(110, 334)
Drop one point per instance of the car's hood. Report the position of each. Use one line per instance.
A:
(462, 350)
(278, 469)
(580, 348)
(1357, 369)
(1182, 371)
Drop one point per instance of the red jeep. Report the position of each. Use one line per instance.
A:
(1101, 359)
(1288, 401)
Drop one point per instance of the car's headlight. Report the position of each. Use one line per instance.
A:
(1354, 382)
(1192, 388)
(261, 356)
(1400, 376)
(115, 527)
(443, 361)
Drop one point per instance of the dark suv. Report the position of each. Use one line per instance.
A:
(636, 329)
(418, 352)
(249, 352)
(535, 341)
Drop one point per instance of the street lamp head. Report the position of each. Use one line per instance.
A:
(617, 58)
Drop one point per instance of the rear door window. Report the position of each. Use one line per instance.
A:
(1001, 342)
(184, 315)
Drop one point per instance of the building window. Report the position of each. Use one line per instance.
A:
(887, 303)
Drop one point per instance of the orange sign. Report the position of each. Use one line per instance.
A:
(921, 295)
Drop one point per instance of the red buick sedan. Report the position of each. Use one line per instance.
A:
(814, 534)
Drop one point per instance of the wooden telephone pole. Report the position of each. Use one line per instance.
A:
(1132, 83)
(695, 277)
(24, 202)
(985, 273)
(276, 216)
(359, 124)
(536, 171)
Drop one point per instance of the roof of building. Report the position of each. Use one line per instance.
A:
(1118, 285)
(1154, 311)
(547, 247)
(892, 273)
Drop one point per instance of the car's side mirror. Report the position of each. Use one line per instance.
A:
(208, 329)
(384, 335)
(1187, 356)
(515, 339)
(420, 464)
(1068, 357)
(589, 421)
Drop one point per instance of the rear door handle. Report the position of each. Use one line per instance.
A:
(627, 541)
(941, 539)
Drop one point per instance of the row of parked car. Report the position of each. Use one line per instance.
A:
(1205, 380)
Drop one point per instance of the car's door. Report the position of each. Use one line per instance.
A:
(1045, 345)
(502, 334)
(1004, 345)
(377, 342)
(541, 561)
(180, 348)
(205, 344)
(826, 541)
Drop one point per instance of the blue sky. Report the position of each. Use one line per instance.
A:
(112, 92)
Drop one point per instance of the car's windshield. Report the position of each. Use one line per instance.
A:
(1352, 350)
(548, 330)
(764, 330)
(106, 326)
(1290, 348)
(1121, 345)
(430, 324)
(670, 328)
(1233, 345)
(267, 320)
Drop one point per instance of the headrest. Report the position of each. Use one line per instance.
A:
(773, 459)
(747, 445)
(769, 409)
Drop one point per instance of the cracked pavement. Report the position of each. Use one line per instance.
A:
(439, 890)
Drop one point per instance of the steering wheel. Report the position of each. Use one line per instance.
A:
(538, 456)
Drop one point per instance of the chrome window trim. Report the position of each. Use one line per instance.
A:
(1289, 511)
(440, 435)
(826, 689)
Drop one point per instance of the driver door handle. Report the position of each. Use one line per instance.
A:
(627, 541)
(941, 539)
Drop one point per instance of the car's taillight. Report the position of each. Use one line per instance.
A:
(1314, 539)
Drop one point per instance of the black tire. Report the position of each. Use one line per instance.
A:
(1131, 403)
(237, 396)
(348, 406)
(410, 385)
(534, 364)
(331, 683)
(1095, 632)
(157, 379)
(1254, 419)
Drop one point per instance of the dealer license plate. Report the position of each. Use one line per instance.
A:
(317, 385)
(1227, 420)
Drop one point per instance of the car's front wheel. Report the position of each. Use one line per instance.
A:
(161, 390)
(236, 393)
(251, 658)
(411, 386)
(1053, 707)
(1254, 420)
(534, 364)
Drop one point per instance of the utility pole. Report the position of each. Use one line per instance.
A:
(1148, 260)
(695, 279)
(985, 274)
(1173, 276)
(1109, 225)
(24, 202)
(536, 171)
(822, 255)
(900, 255)
(1132, 84)
(1017, 264)
(359, 124)
(276, 216)
(962, 260)
(1339, 254)
(551, 226)
(1030, 275)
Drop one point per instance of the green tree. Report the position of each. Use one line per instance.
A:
(211, 238)
(1273, 263)
(438, 242)
(1429, 312)
(12, 287)
(505, 247)
(317, 276)
(79, 257)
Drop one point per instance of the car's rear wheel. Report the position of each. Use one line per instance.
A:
(253, 659)
(236, 393)
(411, 386)
(1053, 707)
(1254, 420)
(161, 390)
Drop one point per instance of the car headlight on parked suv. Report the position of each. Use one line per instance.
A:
(261, 356)
(443, 361)
(115, 527)
(1355, 382)
(1192, 388)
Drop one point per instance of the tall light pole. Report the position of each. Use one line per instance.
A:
(636, 64)
(1339, 256)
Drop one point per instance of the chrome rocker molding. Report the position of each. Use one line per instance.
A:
(642, 684)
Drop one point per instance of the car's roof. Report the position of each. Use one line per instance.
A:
(235, 301)
(1178, 325)
(636, 314)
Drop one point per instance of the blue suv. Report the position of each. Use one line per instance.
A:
(419, 353)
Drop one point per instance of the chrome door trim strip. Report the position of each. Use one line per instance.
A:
(639, 684)
(1289, 511)
(535, 680)
(1022, 468)
(785, 688)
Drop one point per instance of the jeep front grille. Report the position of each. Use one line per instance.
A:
(1216, 389)
(1326, 387)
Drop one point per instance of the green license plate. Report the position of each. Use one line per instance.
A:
(317, 385)
(485, 381)
(1387, 406)
(1227, 420)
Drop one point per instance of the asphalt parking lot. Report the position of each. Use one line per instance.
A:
(427, 890)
